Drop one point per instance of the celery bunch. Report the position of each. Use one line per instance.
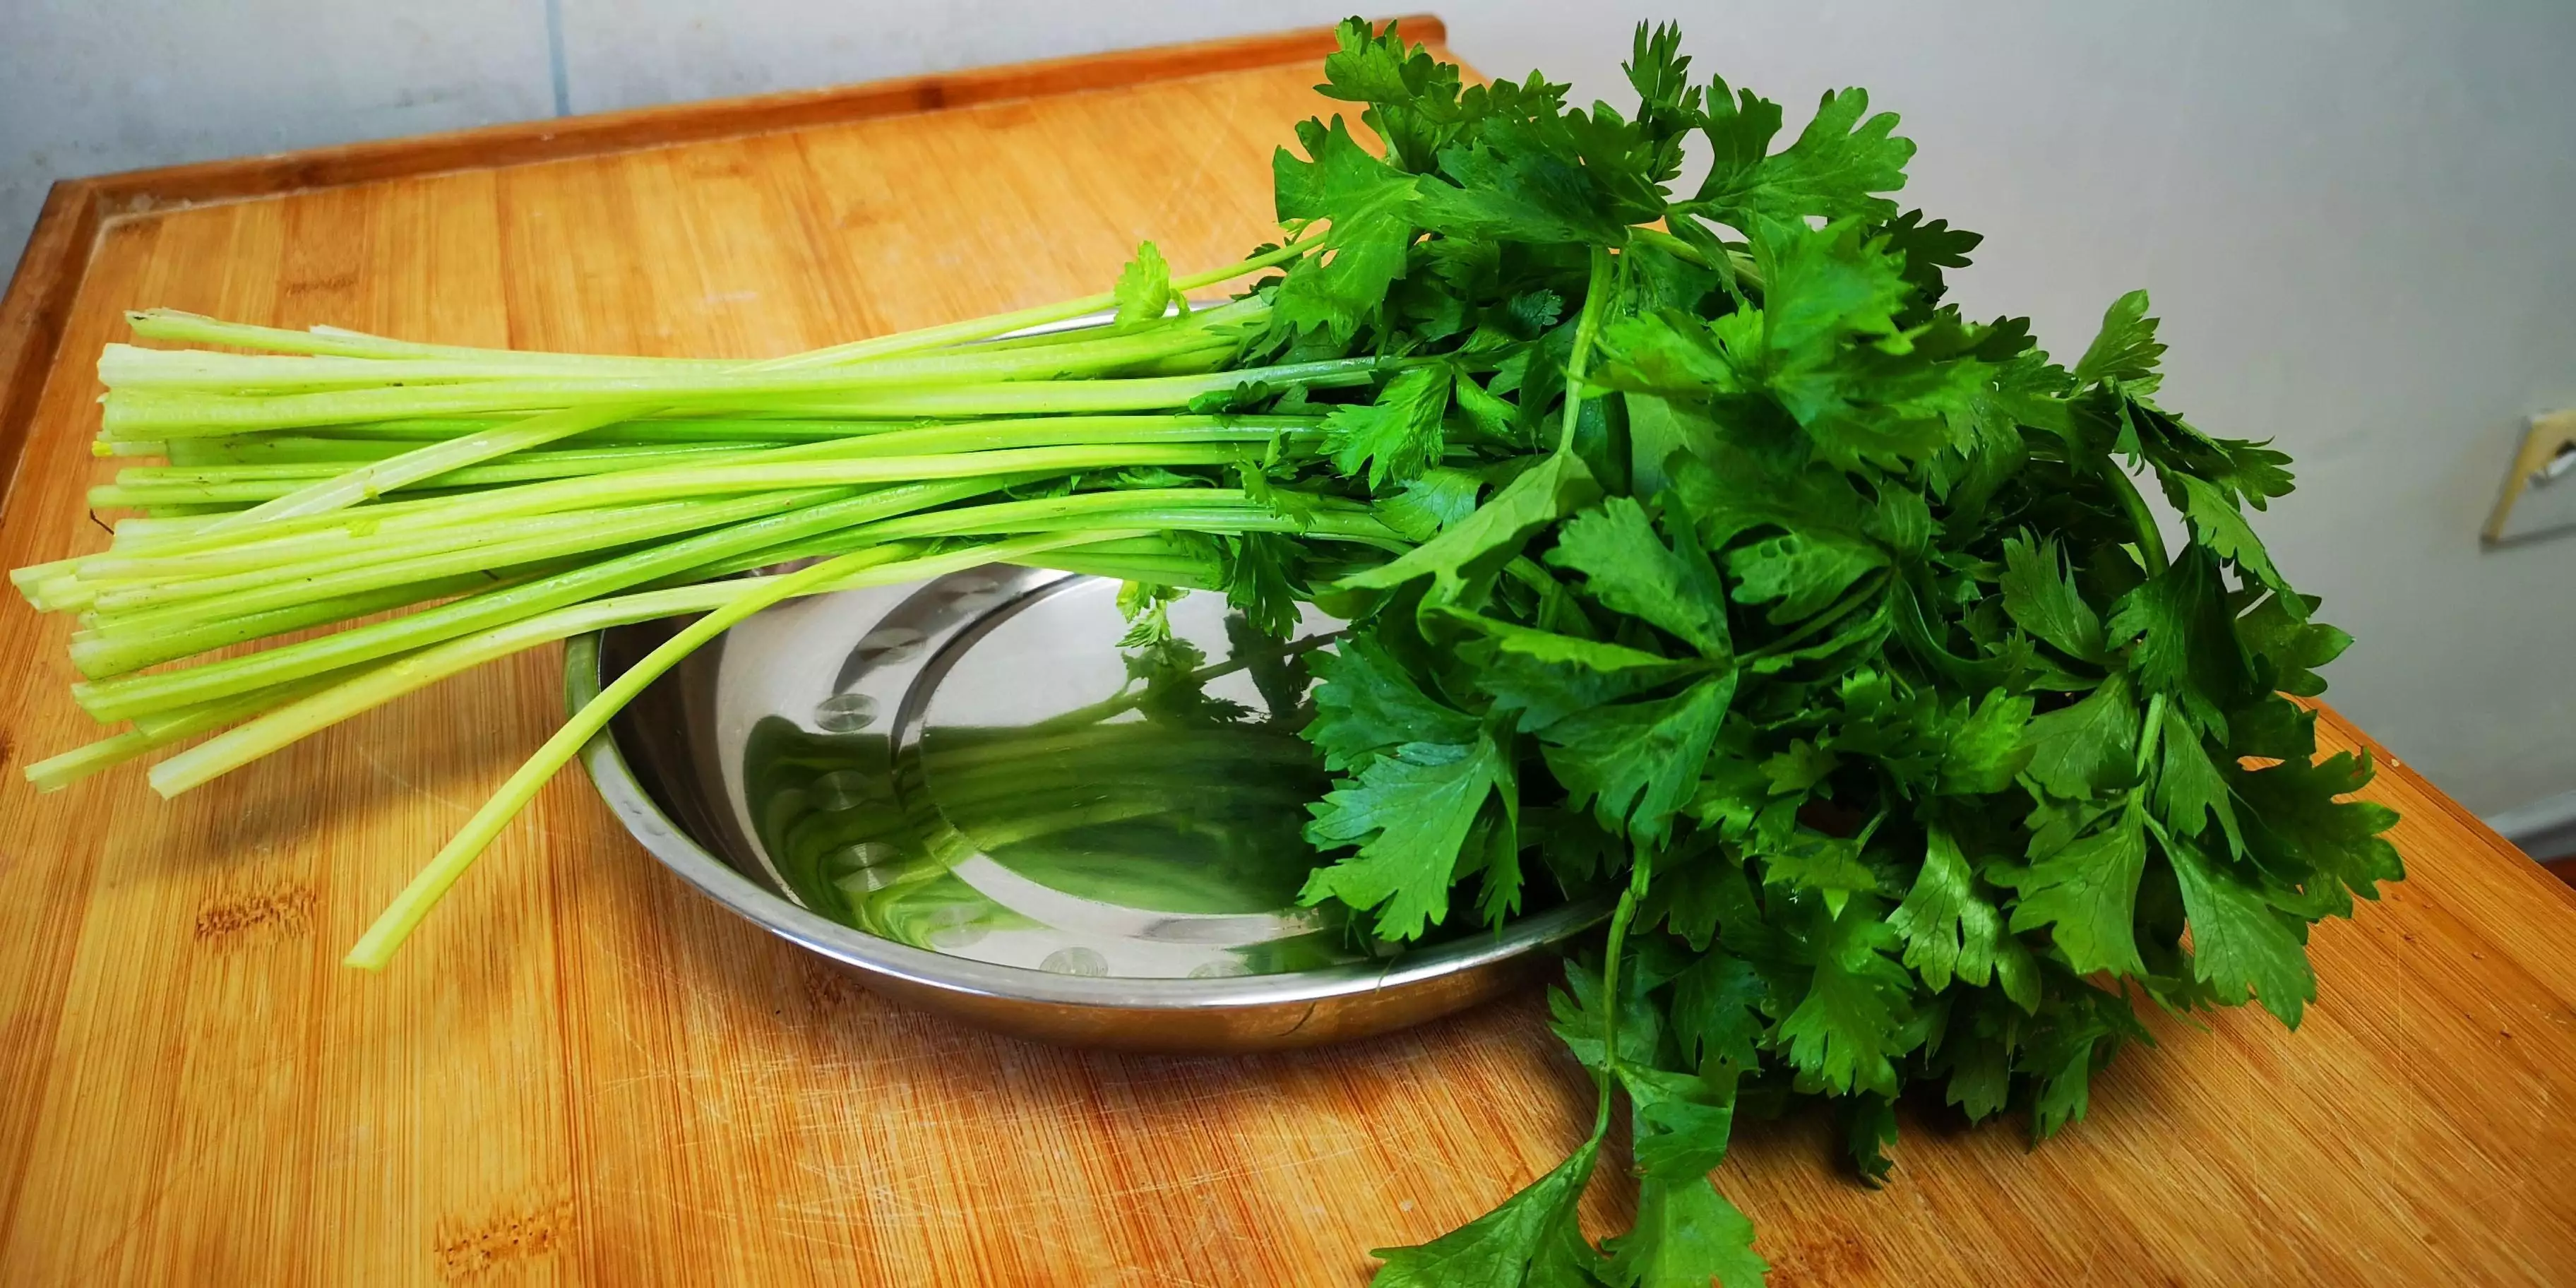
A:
(374, 515)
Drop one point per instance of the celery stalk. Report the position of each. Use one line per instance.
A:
(828, 393)
(376, 947)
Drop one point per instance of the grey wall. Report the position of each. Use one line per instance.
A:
(2354, 217)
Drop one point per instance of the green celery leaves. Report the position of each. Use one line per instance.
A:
(1752, 589)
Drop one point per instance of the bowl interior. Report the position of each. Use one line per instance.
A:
(974, 784)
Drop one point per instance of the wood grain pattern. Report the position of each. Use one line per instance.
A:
(583, 1072)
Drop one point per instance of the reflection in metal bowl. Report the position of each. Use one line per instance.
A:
(967, 793)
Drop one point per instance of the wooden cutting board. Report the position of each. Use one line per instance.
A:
(582, 1071)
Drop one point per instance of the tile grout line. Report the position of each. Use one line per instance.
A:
(555, 58)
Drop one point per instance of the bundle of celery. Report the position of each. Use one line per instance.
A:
(1732, 572)
(508, 499)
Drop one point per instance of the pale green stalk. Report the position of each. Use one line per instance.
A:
(209, 483)
(1155, 509)
(173, 324)
(813, 464)
(58, 772)
(133, 531)
(132, 695)
(184, 416)
(375, 686)
(319, 450)
(338, 548)
(388, 519)
(174, 537)
(390, 396)
(376, 439)
(129, 367)
(1587, 330)
(1218, 509)
(375, 478)
(269, 588)
(377, 946)
(167, 604)
(126, 366)
(1212, 510)
(54, 591)
(416, 514)
(101, 655)
(1640, 875)
(1004, 323)
(193, 328)
(523, 467)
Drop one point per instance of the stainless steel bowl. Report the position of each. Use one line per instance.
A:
(930, 765)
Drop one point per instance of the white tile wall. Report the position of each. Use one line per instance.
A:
(2354, 216)
(87, 88)
(622, 53)
(2352, 213)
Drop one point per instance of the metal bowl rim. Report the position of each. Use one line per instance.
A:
(679, 852)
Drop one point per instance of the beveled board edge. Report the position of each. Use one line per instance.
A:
(48, 278)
